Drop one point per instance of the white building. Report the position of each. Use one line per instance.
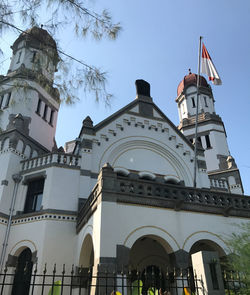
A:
(119, 195)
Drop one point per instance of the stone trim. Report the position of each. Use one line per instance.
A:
(107, 264)
(49, 166)
(202, 123)
(12, 259)
(112, 188)
(4, 182)
(39, 216)
(201, 164)
(41, 80)
(31, 177)
(180, 259)
(18, 134)
(122, 256)
(133, 104)
(46, 214)
(84, 172)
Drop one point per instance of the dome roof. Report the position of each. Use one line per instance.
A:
(191, 79)
(36, 36)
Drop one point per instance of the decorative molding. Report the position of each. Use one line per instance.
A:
(4, 182)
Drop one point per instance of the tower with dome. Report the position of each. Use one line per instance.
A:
(221, 167)
(119, 196)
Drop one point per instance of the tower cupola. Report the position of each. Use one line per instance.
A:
(211, 134)
(187, 97)
(36, 51)
(27, 90)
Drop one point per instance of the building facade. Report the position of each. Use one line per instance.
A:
(121, 194)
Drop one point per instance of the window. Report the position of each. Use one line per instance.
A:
(34, 56)
(205, 101)
(38, 109)
(7, 102)
(1, 101)
(208, 143)
(34, 196)
(19, 56)
(51, 117)
(199, 140)
(193, 102)
(214, 277)
(183, 108)
(45, 112)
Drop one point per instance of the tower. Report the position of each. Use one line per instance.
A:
(28, 106)
(28, 101)
(221, 167)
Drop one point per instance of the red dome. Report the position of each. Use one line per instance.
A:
(191, 79)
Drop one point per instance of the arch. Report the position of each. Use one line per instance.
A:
(207, 245)
(27, 151)
(21, 284)
(21, 245)
(6, 143)
(165, 238)
(149, 250)
(19, 146)
(86, 258)
(202, 236)
(34, 154)
(166, 156)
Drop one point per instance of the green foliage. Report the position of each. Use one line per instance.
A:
(239, 260)
(73, 73)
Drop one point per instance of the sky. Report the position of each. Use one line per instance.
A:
(159, 43)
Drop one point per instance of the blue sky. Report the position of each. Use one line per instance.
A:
(159, 43)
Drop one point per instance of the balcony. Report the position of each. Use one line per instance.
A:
(114, 188)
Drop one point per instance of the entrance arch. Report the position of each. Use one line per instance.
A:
(150, 260)
(150, 250)
(207, 245)
(86, 259)
(21, 284)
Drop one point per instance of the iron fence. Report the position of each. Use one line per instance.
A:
(82, 281)
(235, 283)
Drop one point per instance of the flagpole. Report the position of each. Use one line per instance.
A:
(196, 116)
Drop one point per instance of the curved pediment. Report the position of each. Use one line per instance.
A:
(144, 156)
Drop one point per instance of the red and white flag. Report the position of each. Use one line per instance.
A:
(208, 68)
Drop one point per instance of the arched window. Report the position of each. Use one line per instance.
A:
(23, 273)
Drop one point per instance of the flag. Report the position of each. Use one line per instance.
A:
(208, 68)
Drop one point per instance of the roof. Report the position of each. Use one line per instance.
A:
(36, 36)
(191, 79)
(146, 107)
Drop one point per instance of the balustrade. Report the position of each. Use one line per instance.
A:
(50, 159)
(186, 194)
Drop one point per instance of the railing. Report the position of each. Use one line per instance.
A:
(183, 194)
(50, 159)
(88, 207)
(158, 194)
(235, 283)
(219, 183)
(81, 281)
(201, 117)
